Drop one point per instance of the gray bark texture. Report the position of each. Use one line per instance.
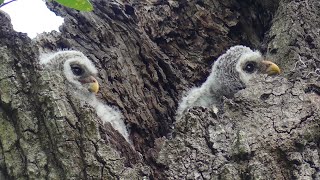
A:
(148, 54)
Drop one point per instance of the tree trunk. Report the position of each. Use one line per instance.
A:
(148, 53)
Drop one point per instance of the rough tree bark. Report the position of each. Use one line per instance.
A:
(148, 54)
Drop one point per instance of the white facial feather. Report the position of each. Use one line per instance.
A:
(63, 60)
(251, 56)
(84, 62)
(67, 56)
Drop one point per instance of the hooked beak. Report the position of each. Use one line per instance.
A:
(92, 82)
(271, 68)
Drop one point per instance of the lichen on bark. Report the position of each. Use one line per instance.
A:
(148, 53)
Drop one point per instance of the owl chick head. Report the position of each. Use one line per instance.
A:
(78, 70)
(251, 63)
(233, 70)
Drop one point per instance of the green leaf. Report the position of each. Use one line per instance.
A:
(1, 1)
(81, 5)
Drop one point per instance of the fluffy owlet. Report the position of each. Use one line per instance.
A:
(79, 76)
(230, 73)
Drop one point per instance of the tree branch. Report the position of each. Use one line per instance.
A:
(6, 3)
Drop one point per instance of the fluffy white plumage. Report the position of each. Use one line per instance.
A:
(80, 74)
(111, 115)
(230, 73)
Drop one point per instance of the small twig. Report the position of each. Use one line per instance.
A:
(299, 61)
(309, 74)
(6, 3)
(315, 73)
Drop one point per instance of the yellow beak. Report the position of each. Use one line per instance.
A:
(271, 68)
(94, 86)
(91, 83)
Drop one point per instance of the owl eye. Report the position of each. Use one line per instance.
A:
(76, 70)
(250, 67)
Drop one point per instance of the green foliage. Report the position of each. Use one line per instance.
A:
(1, 1)
(81, 5)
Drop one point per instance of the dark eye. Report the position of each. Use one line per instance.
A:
(250, 67)
(78, 71)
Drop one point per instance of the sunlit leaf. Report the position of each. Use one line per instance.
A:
(81, 5)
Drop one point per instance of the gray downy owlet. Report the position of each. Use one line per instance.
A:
(230, 73)
(78, 75)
